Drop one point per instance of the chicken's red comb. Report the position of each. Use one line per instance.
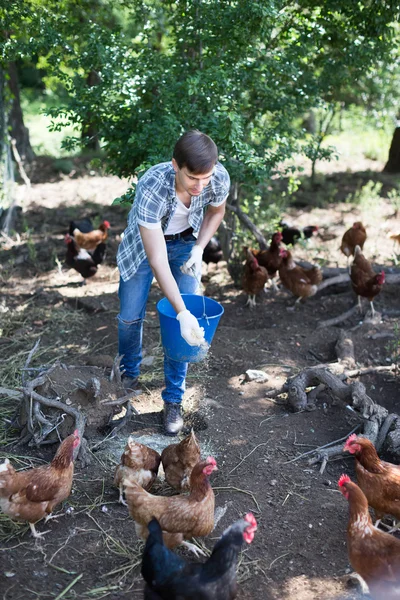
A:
(106, 224)
(381, 277)
(343, 479)
(350, 439)
(76, 433)
(250, 518)
(211, 460)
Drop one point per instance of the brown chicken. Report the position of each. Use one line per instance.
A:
(180, 517)
(303, 283)
(178, 461)
(33, 494)
(270, 259)
(379, 480)
(91, 239)
(395, 237)
(254, 278)
(364, 280)
(139, 462)
(355, 236)
(374, 554)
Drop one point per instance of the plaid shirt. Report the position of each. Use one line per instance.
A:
(154, 206)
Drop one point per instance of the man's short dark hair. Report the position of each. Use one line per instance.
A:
(196, 151)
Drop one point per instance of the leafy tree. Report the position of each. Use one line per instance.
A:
(240, 70)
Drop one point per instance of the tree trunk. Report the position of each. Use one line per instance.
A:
(90, 137)
(393, 163)
(18, 131)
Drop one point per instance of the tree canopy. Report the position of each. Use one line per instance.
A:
(241, 71)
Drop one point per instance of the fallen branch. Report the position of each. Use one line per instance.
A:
(345, 278)
(376, 422)
(321, 447)
(339, 319)
(116, 370)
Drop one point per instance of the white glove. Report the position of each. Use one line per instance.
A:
(191, 331)
(193, 265)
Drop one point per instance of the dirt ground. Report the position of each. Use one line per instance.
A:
(91, 552)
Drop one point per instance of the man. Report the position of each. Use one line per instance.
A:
(166, 231)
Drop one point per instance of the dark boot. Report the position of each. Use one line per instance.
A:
(173, 421)
(131, 384)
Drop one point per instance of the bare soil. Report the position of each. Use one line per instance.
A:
(299, 551)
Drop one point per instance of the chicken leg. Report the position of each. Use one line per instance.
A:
(35, 533)
(193, 548)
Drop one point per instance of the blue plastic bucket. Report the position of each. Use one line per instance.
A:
(175, 347)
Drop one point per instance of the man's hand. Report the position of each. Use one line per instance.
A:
(191, 331)
(193, 265)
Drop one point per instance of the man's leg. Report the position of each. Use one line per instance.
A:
(133, 296)
(174, 371)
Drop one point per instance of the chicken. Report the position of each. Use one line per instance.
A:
(33, 494)
(379, 480)
(180, 517)
(213, 251)
(303, 283)
(291, 235)
(84, 262)
(170, 577)
(139, 462)
(91, 239)
(178, 461)
(364, 280)
(254, 278)
(355, 236)
(270, 259)
(374, 554)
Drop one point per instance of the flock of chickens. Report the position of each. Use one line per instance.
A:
(86, 249)
(264, 265)
(163, 521)
(166, 522)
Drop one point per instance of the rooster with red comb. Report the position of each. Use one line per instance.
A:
(168, 576)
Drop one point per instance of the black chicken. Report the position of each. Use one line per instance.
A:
(213, 251)
(84, 262)
(170, 577)
(291, 235)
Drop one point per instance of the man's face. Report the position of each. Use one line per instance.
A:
(190, 183)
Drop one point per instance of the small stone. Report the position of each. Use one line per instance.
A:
(255, 375)
(310, 526)
(104, 509)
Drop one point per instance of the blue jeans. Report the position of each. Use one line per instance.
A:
(133, 295)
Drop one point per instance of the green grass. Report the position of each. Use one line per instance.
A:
(43, 141)
(362, 137)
